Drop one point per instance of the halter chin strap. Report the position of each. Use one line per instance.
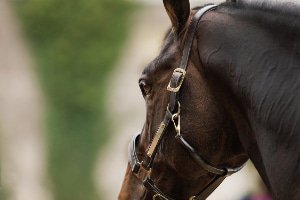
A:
(173, 115)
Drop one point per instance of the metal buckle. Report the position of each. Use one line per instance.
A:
(176, 117)
(177, 70)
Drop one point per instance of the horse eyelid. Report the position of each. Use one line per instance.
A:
(145, 87)
(141, 85)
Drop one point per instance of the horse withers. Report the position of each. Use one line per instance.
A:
(224, 88)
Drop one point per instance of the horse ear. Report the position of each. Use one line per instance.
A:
(179, 12)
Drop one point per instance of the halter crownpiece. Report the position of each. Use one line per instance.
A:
(173, 114)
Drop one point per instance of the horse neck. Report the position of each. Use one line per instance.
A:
(260, 68)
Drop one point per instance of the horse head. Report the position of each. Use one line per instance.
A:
(189, 130)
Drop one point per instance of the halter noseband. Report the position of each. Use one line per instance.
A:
(173, 115)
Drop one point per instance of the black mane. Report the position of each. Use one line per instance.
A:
(287, 8)
(267, 13)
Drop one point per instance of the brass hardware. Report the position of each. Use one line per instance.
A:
(156, 195)
(156, 139)
(177, 70)
(148, 173)
(176, 126)
(175, 117)
(159, 196)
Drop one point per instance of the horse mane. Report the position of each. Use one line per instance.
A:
(268, 13)
(289, 8)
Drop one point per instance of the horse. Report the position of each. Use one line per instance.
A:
(224, 88)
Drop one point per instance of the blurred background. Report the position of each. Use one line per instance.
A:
(69, 99)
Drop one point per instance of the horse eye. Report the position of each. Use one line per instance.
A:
(145, 88)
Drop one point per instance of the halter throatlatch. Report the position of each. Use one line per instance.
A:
(173, 115)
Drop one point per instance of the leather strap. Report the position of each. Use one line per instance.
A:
(191, 34)
(148, 158)
(203, 194)
(198, 159)
(149, 184)
(132, 155)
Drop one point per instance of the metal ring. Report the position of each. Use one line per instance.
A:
(159, 196)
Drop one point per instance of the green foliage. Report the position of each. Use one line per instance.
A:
(3, 192)
(76, 43)
(76, 40)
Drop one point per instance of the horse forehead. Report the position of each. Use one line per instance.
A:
(166, 60)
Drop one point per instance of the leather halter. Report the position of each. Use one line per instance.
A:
(173, 115)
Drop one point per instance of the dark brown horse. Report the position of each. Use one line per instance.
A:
(239, 99)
